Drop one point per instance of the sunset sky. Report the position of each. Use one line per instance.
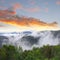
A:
(46, 10)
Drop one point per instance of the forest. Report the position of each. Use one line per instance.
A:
(9, 52)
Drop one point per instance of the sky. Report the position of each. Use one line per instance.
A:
(45, 10)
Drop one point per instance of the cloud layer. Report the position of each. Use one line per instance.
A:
(25, 23)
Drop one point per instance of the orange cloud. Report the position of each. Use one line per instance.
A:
(25, 22)
(35, 24)
(58, 2)
(37, 9)
(17, 6)
(6, 12)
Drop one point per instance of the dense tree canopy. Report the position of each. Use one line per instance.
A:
(44, 53)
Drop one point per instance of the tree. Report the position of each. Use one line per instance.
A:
(9, 53)
(48, 51)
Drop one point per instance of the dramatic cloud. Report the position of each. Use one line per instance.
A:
(4, 13)
(25, 23)
(58, 2)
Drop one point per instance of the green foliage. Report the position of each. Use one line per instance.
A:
(9, 53)
(44, 53)
(48, 51)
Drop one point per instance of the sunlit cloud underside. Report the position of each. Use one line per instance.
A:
(17, 28)
(10, 22)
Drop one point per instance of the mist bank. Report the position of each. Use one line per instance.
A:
(29, 39)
